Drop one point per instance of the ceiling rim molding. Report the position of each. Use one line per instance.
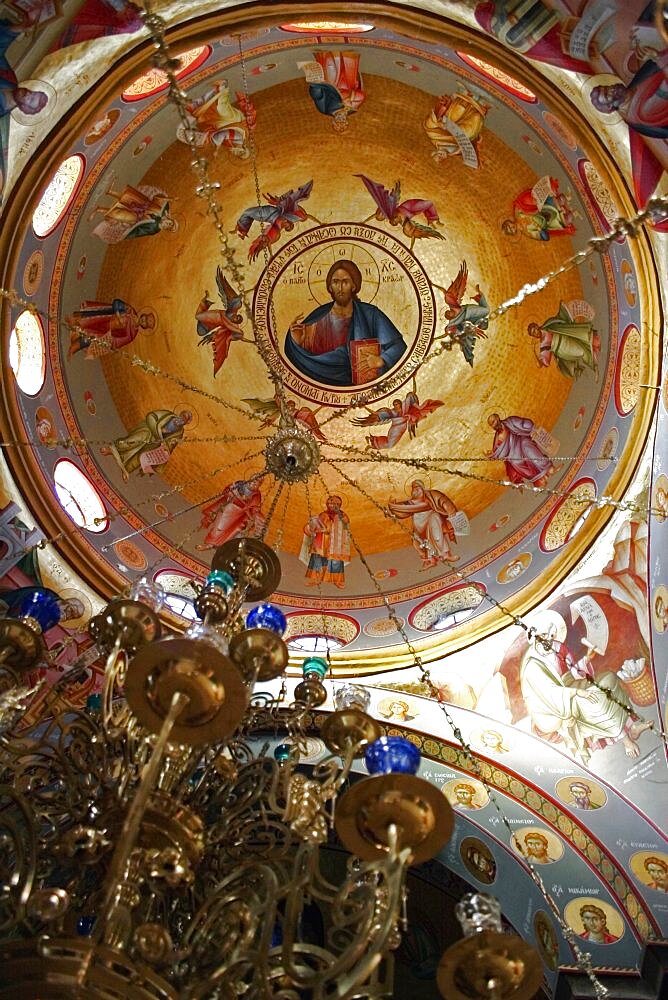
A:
(245, 18)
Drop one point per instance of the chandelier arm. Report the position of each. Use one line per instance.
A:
(128, 836)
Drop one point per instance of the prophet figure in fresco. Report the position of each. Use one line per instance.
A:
(431, 513)
(281, 213)
(454, 127)
(219, 327)
(326, 545)
(541, 212)
(643, 105)
(100, 327)
(404, 415)
(563, 704)
(345, 342)
(136, 211)
(335, 85)
(215, 121)
(147, 448)
(515, 445)
(12, 94)
(237, 512)
(607, 612)
(533, 28)
(391, 209)
(569, 338)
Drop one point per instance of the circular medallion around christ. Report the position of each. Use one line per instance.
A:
(343, 309)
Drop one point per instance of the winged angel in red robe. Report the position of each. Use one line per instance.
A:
(219, 327)
(270, 411)
(402, 416)
(402, 213)
(281, 213)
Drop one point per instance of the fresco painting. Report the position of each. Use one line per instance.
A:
(454, 126)
(326, 545)
(541, 212)
(135, 212)
(598, 627)
(335, 85)
(390, 208)
(590, 47)
(404, 415)
(478, 859)
(465, 322)
(432, 515)
(148, 446)
(270, 411)
(595, 922)
(538, 846)
(579, 793)
(569, 339)
(348, 341)
(98, 328)
(220, 327)
(236, 513)
(280, 214)
(14, 97)
(547, 940)
(651, 869)
(215, 120)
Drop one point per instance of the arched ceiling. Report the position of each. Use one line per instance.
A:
(471, 130)
(457, 190)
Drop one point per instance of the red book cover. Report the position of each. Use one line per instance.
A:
(361, 352)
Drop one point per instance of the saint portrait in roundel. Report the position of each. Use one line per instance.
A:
(346, 341)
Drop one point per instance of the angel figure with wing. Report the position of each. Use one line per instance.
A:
(281, 213)
(401, 416)
(391, 209)
(270, 411)
(219, 327)
(465, 323)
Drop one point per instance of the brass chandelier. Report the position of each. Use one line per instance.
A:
(151, 848)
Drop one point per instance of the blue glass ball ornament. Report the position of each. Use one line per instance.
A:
(392, 754)
(315, 665)
(267, 616)
(221, 579)
(43, 606)
(283, 752)
(94, 703)
(85, 925)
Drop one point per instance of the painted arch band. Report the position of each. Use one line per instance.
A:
(341, 308)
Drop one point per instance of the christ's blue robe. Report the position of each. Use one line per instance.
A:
(333, 367)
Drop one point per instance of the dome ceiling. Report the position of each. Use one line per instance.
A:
(153, 356)
(503, 173)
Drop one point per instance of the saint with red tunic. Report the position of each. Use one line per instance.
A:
(335, 85)
(105, 326)
(540, 212)
(236, 512)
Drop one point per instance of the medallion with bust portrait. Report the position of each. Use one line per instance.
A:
(341, 309)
